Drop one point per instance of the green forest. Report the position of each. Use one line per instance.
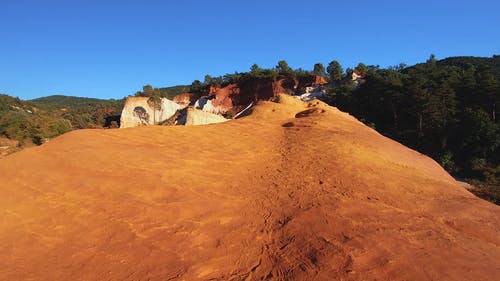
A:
(36, 121)
(446, 109)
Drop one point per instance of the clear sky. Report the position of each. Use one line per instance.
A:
(110, 48)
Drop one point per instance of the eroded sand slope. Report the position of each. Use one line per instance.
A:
(273, 196)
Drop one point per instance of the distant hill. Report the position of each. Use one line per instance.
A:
(38, 120)
(7, 102)
(35, 121)
(61, 100)
(472, 61)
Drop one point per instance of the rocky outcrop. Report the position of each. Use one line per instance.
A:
(200, 117)
(311, 93)
(312, 81)
(238, 95)
(137, 112)
(186, 98)
(357, 77)
(208, 105)
(218, 101)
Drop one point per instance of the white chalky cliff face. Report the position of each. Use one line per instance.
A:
(200, 117)
(137, 112)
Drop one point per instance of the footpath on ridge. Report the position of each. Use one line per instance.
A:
(293, 191)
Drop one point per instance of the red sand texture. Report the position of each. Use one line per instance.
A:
(294, 191)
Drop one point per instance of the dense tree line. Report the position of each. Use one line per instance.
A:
(333, 73)
(446, 109)
(282, 69)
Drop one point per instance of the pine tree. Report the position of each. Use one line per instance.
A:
(335, 71)
(155, 102)
(319, 70)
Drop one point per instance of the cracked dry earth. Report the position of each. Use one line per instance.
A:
(294, 191)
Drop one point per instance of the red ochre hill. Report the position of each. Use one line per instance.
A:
(294, 191)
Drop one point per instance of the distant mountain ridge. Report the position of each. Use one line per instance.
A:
(463, 61)
(63, 100)
(36, 121)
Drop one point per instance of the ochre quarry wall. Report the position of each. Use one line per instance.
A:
(237, 96)
(137, 112)
(186, 98)
(200, 117)
(217, 101)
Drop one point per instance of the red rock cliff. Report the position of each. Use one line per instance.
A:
(186, 98)
(238, 95)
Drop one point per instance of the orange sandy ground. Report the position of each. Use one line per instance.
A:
(275, 195)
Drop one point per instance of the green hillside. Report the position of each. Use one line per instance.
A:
(35, 121)
(61, 100)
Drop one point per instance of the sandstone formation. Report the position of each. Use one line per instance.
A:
(186, 99)
(235, 97)
(313, 92)
(200, 117)
(212, 106)
(222, 101)
(312, 81)
(137, 112)
(294, 191)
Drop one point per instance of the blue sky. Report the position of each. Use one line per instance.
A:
(109, 49)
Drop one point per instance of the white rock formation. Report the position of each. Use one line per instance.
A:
(200, 117)
(208, 106)
(312, 93)
(137, 112)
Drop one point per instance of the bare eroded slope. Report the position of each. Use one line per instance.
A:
(291, 192)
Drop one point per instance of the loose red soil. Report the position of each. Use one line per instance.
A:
(291, 192)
